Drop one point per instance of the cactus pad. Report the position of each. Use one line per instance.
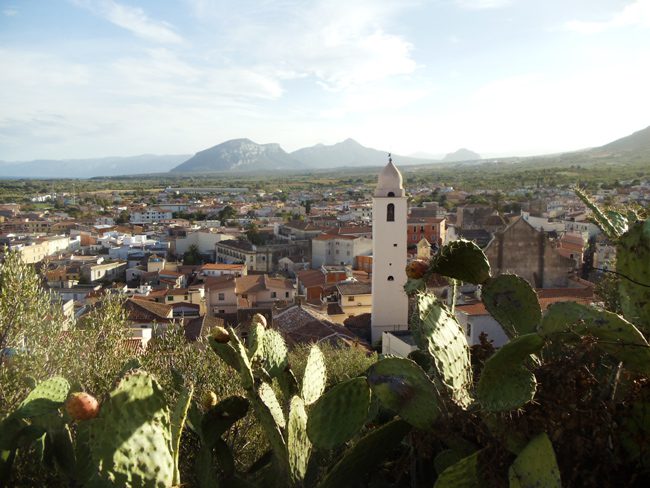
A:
(225, 351)
(274, 352)
(298, 442)
(437, 332)
(609, 227)
(446, 458)
(339, 413)
(633, 262)
(513, 303)
(244, 368)
(216, 421)
(313, 382)
(462, 260)
(46, 397)
(536, 465)
(506, 383)
(267, 395)
(178, 418)
(463, 473)
(256, 338)
(402, 386)
(371, 450)
(131, 439)
(616, 336)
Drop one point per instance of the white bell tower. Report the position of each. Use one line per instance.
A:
(389, 210)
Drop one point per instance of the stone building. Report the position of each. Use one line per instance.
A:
(522, 250)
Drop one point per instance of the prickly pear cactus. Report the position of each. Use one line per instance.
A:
(315, 378)
(612, 228)
(178, 418)
(339, 413)
(536, 465)
(402, 386)
(46, 397)
(616, 336)
(275, 353)
(513, 303)
(462, 260)
(217, 420)
(130, 441)
(633, 262)
(437, 332)
(463, 473)
(267, 395)
(298, 442)
(371, 450)
(506, 383)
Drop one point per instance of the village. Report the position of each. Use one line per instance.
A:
(203, 257)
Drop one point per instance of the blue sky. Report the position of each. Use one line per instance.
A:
(92, 78)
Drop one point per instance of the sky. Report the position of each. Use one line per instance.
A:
(93, 78)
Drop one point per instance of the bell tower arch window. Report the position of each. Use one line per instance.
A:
(390, 212)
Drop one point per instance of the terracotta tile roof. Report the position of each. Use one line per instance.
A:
(254, 283)
(133, 346)
(354, 288)
(311, 277)
(221, 266)
(224, 282)
(143, 310)
(301, 325)
(330, 237)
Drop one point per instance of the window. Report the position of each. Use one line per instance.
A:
(350, 299)
(274, 294)
(391, 194)
(222, 296)
(390, 278)
(286, 294)
(170, 298)
(390, 212)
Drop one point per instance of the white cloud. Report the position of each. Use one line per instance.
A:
(133, 19)
(636, 13)
(10, 11)
(482, 4)
(340, 44)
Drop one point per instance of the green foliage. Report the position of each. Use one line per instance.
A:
(437, 332)
(536, 465)
(513, 303)
(633, 263)
(506, 383)
(339, 414)
(462, 260)
(402, 386)
(462, 474)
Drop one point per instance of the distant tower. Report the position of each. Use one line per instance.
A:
(389, 209)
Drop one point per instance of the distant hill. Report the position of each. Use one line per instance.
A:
(348, 153)
(238, 155)
(87, 168)
(461, 155)
(639, 141)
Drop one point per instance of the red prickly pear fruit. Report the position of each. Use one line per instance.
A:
(416, 270)
(82, 406)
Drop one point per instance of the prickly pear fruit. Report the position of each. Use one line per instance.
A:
(258, 318)
(417, 269)
(208, 400)
(82, 406)
(220, 335)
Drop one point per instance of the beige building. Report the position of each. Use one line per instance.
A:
(227, 294)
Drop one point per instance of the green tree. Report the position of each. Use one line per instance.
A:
(192, 256)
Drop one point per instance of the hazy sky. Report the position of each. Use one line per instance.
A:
(90, 78)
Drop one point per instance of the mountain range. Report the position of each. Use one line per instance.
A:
(244, 155)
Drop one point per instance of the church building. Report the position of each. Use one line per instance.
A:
(389, 221)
